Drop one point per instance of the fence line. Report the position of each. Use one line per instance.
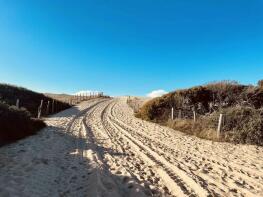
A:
(51, 106)
(220, 123)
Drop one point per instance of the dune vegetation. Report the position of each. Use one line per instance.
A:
(27, 99)
(241, 106)
(17, 122)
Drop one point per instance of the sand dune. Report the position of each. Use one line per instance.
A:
(99, 148)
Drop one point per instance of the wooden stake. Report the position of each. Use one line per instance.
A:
(17, 103)
(180, 114)
(53, 106)
(172, 113)
(48, 107)
(40, 109)
(194, 116)
(219, 125)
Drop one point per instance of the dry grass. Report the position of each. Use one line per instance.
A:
(241, 105)
(135, 102)
(260, 83)
(199, 128)
(242, 125)
(59, 97)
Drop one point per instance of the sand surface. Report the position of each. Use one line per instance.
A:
(99, 148)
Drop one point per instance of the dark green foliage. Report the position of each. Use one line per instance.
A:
(16, 124)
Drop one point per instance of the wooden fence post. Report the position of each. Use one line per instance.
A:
(17, 103)
(219, 125)
(53, 106)
(48, 107)
(57, 106)
(172, 113)
(194, 116)
(40, 109)
(180, 114)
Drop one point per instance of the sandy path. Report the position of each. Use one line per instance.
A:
(100, 149)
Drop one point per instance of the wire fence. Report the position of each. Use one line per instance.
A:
(228, 122)
(220, 122)
(50, 106)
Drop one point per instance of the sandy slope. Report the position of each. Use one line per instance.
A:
(99, 149)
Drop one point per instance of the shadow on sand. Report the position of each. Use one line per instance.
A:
(100, 180)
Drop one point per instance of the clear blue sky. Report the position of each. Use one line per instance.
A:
(129, 47)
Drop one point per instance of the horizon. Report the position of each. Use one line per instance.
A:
(129, 48)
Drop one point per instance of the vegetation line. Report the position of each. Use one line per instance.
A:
(197, 111)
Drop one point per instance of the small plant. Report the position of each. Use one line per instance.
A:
(16, 124)
(260, 83)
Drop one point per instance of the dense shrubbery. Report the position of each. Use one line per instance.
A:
(242, 125)
(28, 99)
(16, 123)
(260, 83)
(240, 104)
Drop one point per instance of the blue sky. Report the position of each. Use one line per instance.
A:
(129, 47)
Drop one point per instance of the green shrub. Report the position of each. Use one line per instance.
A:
(16, 124)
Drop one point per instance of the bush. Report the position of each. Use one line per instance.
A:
(241, 125)
(260, 83)
(241, 104)
(154, 110)
(28, 99)
(16, 124)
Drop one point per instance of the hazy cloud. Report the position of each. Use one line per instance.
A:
(156, 93)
